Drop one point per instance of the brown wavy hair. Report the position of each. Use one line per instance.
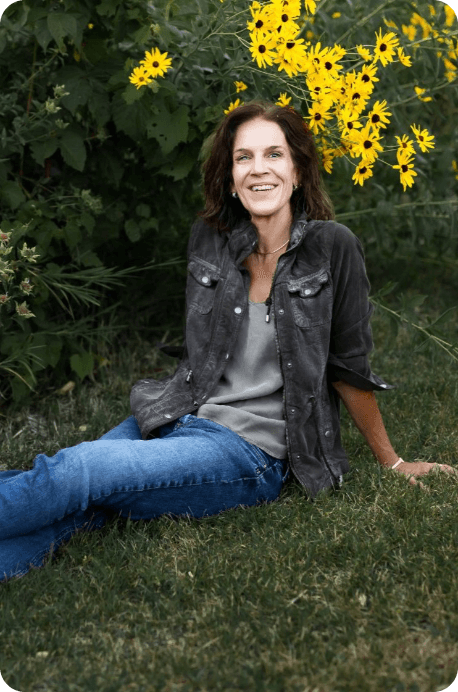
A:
(222, 211)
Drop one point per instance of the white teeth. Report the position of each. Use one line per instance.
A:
(262, 187)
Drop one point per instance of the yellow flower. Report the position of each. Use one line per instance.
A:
(310, 6)
(327, 157)
(390, 24)
(424, 139)
(358, 94)
(455, 168)
(318, 114)
(366, 144)
(406, 60)
(405, 144)
(367, 75)
(409, 31)
(261, 49)
(364, 53)
(450, 15)
(292, 56)
(240, 86)
(417, 20)
(261, 23)
(348, 121)
(335, 15)
(140, 77)
(379, 115)
(362, 173)
(283, 100)
(316, 57)
(90, 26)
(405, 167)
(282, 18)
(419, 91)
(156, 63)
(384, 48)
(233, 106)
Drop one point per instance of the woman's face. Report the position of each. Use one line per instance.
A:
(261, 156)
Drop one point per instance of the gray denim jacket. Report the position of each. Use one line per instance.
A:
(319, 302)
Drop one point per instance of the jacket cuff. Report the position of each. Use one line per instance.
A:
(356, 372)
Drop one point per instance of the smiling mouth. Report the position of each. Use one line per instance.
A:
(265, 190)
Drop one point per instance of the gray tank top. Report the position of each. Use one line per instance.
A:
(249, 396)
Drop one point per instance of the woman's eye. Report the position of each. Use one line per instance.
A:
(274, 153)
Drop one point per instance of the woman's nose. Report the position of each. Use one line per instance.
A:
(258, 164)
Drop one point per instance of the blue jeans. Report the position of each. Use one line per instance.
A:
(195, 467)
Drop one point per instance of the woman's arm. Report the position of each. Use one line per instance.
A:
(362, 407)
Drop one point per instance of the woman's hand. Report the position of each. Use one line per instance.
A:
(420, 468)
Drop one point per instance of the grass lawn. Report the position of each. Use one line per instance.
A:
(356, 591)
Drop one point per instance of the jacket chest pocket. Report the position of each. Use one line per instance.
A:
(201, 286)
(311, 299)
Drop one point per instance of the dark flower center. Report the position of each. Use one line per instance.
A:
(284, 17)
(155, 63)
(375, 118)
(383, 47)
(366, 78)
(259, 24)
(328, 65)
(262, 49)
(290, 44)
(404, 168)
(363, 170)
(317, 116)
(367, 144)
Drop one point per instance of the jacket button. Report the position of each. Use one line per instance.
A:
(292, 410)
(227, 356)
(289, 364)
(237, 310)
(307, 291)
(298, 456)
(205, 279)
(328, 433)
(281, 311)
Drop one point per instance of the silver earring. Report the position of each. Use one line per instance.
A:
(234, 194)
(295, 188)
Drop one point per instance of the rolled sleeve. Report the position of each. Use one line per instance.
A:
(351, 335)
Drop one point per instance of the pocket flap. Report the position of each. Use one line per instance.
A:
(308, 286)
(205, 274)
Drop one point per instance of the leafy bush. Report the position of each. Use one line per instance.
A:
(103, 179)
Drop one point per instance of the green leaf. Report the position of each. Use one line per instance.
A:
(132, 94)
(61, 24)
(131, 119)
(73, 149)
(12, 194)
(107, 8)
(42, 33)
(82, 364)
(77, 83)
(143, 210)
(169, 129)
(43, 150)
(179, 168)
(132, 230)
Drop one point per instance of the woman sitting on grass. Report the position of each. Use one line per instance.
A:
(277, 332)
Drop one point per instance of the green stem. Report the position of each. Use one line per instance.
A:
(440, 342)
(371, 210)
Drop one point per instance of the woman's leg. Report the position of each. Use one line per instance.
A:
(196, 467)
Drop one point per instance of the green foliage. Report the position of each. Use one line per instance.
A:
(99, 175)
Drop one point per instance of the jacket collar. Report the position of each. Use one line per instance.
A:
(243, 238)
